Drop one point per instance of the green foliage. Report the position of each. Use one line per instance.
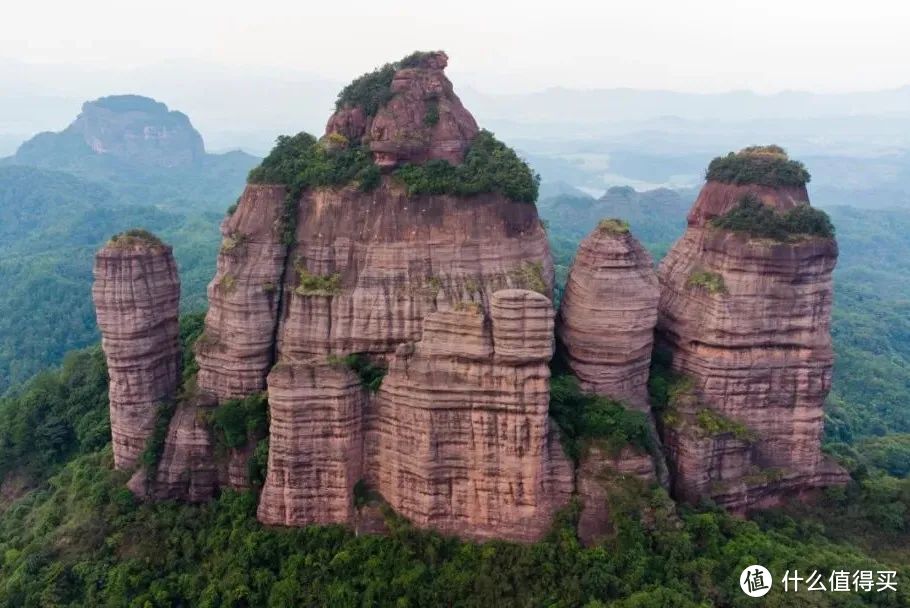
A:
(712, 282)
(750, 216)
(529, 275)
(370, 91)
(613, 226)
(154, 445)
(51, 225)
(257, 465)
(371, 374)
(191, 327)
(431, 117)
(761, 165)
(301, 161)
(415, 59)
(135, 237)
(583, 416)
(489, 166)
(715, 423)
(55, 416)
(237, 421)
(316, 284)
(81, 539)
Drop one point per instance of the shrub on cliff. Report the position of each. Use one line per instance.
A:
(750, 216)
(761, 165)
(489, 166)
(584, 416)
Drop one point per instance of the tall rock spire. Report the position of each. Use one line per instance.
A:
(136, 294)
(745, 313)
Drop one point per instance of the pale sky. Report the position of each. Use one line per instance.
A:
(694, 45)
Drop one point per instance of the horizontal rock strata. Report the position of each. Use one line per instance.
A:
(237, 347)
(315, 444)
(136, 294)
(755, 339)
(458, 439)
(607, 316)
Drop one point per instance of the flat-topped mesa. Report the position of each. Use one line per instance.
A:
(608, 313)
(136, 294)
(745, 312)
(405, 112)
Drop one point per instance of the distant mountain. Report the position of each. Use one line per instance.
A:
(143, 152)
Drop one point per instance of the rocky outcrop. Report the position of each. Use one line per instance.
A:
(368, 267)
(237, 348)
(315, 444)
(136, 294)
(608, 313)
(747, 320)
(458, 438)
(601, 472)
(423, 119)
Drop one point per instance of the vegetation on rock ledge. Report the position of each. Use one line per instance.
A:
(752, 217)
(760, 165)
(583, 416)
(489, 166)
(133, 238)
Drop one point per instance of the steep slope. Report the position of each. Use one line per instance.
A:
(745, 313)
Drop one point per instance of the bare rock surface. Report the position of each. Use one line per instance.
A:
(607, 316)
(459, 441)
(136, 294)
(237, 347)
(315, 445)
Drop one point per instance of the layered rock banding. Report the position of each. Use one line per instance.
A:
(136, 294)
(608, 313)
(747, 322)
(458, 437)
(324, 281)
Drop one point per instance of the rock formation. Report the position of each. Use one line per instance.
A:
(237, 348)
(136, 294)
(608, 313)
(458, 439)
(424, 119)
(130, 128)
(315, 444)
(599, 473)
(747, 321)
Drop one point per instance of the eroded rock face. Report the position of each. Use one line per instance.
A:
(424, 119)
(237, 348)
(315, 444)
(599, 473)
(458, 438)
(389, 259)
(607, 316)
(755, 339)
(136, 294)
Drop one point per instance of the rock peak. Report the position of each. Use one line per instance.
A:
(405, 112)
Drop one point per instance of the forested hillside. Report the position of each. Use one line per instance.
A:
(51, 224)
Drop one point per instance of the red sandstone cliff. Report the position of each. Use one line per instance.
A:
(747, 320)
(136, 294)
